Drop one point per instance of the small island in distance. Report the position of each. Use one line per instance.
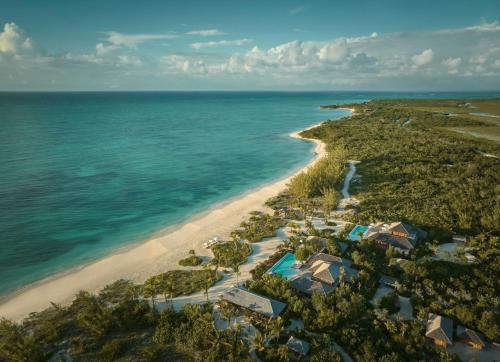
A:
(385, 248)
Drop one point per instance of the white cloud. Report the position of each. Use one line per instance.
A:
(484, 26)
(208, 32)
(12, 39)
(211, 44)
(423, 58)
(102, 49)
(128, 60)
(452, 64)
(334, 52)
(132, 40)
(297, 10)
(467, 56)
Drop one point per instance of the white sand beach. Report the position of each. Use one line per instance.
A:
(158, 254)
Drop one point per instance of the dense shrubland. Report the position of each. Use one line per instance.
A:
(416, 171)
(411, 169)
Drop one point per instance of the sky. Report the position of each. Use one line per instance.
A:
(379, 45)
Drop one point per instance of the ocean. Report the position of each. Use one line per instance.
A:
(82, 174)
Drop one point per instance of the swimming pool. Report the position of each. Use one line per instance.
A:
(285, 266)
(354, 234)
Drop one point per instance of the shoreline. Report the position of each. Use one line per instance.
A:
(160, 253)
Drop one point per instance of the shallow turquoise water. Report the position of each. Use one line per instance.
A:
(82, 174)
(284, 266)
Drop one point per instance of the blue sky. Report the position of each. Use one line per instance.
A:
(234, 45)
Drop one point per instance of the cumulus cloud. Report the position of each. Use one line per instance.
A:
(208, 32)
(132, 40)
(423, 58)
(454, 57)
(13, 40)
(211, 44)
(334, 52)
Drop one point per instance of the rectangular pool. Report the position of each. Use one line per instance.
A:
(285, 266)
(354, 234)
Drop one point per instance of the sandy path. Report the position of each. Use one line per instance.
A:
(156, 255)
(347, 199)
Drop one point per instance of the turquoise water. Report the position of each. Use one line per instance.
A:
(354, 234)
(82, 174)
(284, 266)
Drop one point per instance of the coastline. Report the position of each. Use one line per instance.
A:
(160, 253)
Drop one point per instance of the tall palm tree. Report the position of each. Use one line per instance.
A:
(208, 279)
(150, 289)
(236, 269)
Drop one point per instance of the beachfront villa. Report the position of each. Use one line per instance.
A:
(439, 329)
(254, 302)
(402, 236)
(322, 273)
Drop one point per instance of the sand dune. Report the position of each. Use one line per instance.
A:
(156, 255)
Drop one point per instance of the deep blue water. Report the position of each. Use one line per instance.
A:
(82, 174)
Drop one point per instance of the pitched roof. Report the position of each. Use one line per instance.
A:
(401, 227)
(328, 272)
(466, 333)
(439, 327)
(327, 258)
(397, 241)
(257, 303)
(304, 284)
(298, 345)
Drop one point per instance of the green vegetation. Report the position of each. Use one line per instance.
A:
(414, 170)
(259, 226)
(390, 302)
(322, 179)
(179, 282)
(191, 260)
(467, 293)
(231, 253)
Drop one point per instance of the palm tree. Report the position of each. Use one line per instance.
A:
(236, 270)
(275, 328)
(167, 287)
(208, 279)
(259, 343)
(150, 289)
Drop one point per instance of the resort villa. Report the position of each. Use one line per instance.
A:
(254, 302)
(439, 329)
(403, 237)
(322, 274)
